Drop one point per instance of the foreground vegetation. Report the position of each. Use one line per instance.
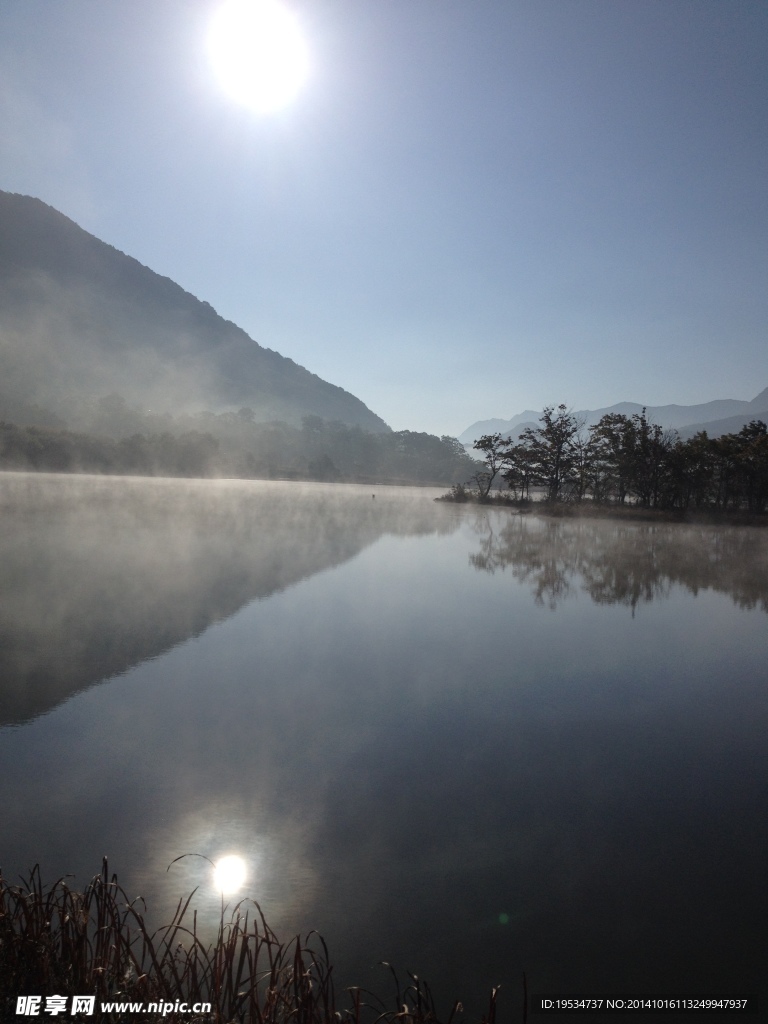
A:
(56, 941)
(625, 462)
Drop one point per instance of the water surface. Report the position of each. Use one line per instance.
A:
(463, 741)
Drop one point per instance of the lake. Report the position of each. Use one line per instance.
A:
(462, 740)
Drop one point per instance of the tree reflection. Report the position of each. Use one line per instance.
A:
(621, 563)
(533, 560)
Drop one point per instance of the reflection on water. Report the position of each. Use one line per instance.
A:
(414, 757)
(619, 563)
(100, 574)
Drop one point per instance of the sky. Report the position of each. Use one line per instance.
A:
(471, 207)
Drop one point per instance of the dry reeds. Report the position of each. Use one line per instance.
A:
(57, 941)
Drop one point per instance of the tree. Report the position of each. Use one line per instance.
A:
(582, 463)
(552, 449)
(494, 447)
(751, 444)
(650, 457)
(519, 471)
(613, 446)
(692, 472)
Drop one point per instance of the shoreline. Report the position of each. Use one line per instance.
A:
(632, 513)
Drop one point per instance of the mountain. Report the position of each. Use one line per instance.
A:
(717, 417)
(496, 426)
(730, 425)
(80, 320)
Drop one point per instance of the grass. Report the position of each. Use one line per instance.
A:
(58, 941)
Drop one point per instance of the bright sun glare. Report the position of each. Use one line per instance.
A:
(258, 52)
(229, 874)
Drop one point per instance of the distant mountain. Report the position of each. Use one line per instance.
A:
(523, 419)
(80, 320)
(730, 425)
(718, 417)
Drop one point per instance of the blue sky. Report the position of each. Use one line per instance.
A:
(472, 208)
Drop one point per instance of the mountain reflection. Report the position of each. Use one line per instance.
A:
(102, 573)
(623, 563)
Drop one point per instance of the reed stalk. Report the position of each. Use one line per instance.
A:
(55, 940)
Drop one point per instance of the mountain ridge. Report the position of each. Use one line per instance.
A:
(689, 418)
(79, 319)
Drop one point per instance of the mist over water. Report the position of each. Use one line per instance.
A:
(463, 741)
(100, 574)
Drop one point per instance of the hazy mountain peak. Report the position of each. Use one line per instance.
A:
(79, 319)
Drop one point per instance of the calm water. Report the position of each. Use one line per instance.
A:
(470, 743)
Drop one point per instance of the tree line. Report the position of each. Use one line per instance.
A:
(628, 460)
(233, 444)
(44, 449)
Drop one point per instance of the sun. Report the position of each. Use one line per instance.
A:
(229, 874)
(258, 53)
